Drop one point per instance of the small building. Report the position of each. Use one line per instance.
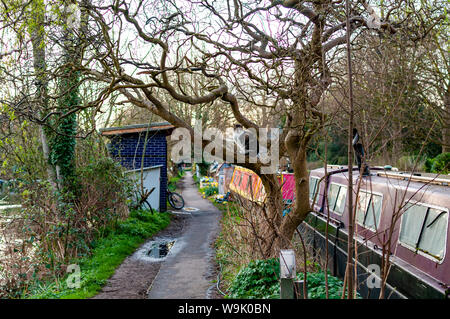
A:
(142, 146)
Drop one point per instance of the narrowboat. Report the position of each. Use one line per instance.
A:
(400, 217)
(403, 214)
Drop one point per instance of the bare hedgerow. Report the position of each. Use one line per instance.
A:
(40, 239)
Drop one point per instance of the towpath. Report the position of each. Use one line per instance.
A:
(188, 271)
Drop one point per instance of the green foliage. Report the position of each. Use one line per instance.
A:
(108, 177)
(62, 142)
(336, 148)
(316, 286)
(203, 168)
(172, 185)
(56, 227)
(20, 152)
(141, 224)
(107, 254)
(409, 162)
(209, 190)
(260, 279)
(428, 164)
(440, 164)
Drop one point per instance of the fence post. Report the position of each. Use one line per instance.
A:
(287, 273)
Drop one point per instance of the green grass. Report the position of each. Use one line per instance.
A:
(107, 254)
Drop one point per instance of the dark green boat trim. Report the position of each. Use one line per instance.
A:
(401, 283)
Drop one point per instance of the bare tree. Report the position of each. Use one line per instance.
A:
(279, 50)
(235, 56)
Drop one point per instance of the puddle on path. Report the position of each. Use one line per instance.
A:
(160, 249)
(156, 250)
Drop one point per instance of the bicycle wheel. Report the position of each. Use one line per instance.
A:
(176, 201)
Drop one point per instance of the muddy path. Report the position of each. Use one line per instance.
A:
(134, 276)
(189, 269)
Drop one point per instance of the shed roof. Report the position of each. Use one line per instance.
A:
(136, 128)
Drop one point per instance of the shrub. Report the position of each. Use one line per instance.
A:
(428, 165)
(407, 163)
(54, 227)
(441, 164)
(209, 190)
(316, 286)
(260, 279)
(203, 168)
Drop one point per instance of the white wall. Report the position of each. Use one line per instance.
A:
(151, 177)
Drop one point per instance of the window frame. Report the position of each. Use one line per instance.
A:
(418, 250)
(368, 206)
(345, 201)
(315, 188)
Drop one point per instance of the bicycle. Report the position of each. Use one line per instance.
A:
(175, 200)
(143, 202)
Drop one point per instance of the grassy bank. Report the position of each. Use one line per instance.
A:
(106, 255)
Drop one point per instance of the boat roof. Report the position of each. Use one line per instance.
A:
(429, 185)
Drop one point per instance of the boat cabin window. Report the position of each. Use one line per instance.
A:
(336, 198)
(368, 210)
(313, 187)
(424, 228)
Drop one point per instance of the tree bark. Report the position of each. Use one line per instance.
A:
(446, 123)
(39, 63)
(302, 206)
(272, 217)
(350, 241)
